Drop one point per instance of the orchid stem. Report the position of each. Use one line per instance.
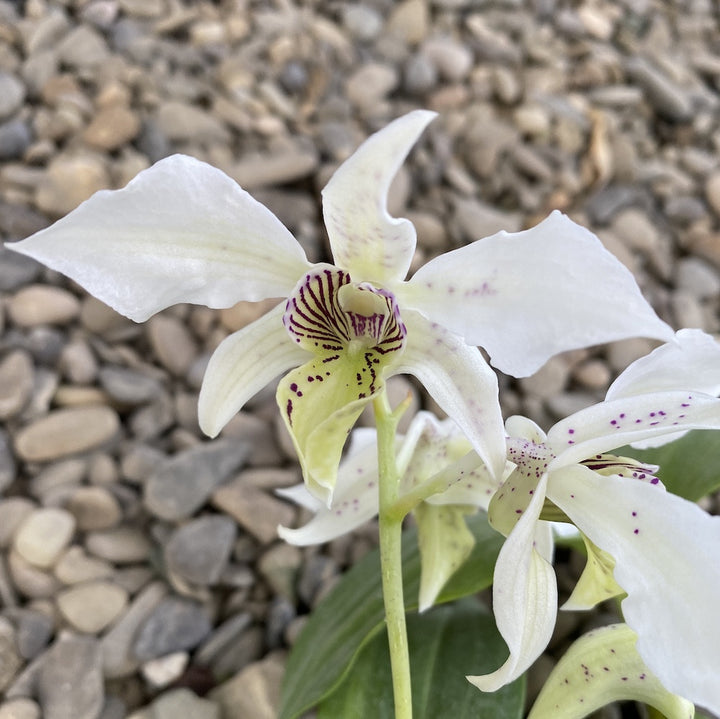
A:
(391, 556)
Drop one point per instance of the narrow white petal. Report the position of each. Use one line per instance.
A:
(242, 365)
(528, 295)
(300, 495)
(460, 381)
(608, 425)
(524, 598)
(665, 550)
(691, 362)
(355, 501)
(181, 231)
(365, 240)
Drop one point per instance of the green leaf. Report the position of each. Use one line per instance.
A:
(445, 644)
(353, 613)
(689, 466)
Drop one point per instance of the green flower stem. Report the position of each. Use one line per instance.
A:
(390, 555)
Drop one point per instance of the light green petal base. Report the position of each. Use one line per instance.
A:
(602, 667)
(445, 543)
(596, 583)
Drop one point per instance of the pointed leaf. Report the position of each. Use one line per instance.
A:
(445, 644)
(353, 613)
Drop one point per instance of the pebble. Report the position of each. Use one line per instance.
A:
(43, 304)
(70, 680)
(184, 703)
(15, 138)
(78, 363)
(370, 84)
(65, 432)
(278, 168)
(15, 270)
(117, 657)
(10, 660)
(76, 566)
(161, 672)
(12, 94)
(34, 630)
(20, 708)
(83, 48)
(29, 580)
(13, 512)
(199, 550)
(172, 343)
(92, 606)
(184, 483)
(70, 180)
(94, 508)
(128, 387)
(119, 545)
(667, 99)
(8, 468)
(43, 536)
(173, 625)
(16, 383)
(112, 128)
(254, 510)
(182, 122)
(362, 22)
(279, 566)
(452, 58)
(254, 693)
(712, 191)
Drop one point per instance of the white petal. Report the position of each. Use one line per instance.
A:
(665, 549)
(524, 598)
(242, 365)
(460, 381)
(300, 495)
(691, 362)
(365, 240)
(355, 501)
(608, 425)
(528, 295)
(181, 231)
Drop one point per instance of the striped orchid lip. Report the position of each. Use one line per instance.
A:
(328, 313)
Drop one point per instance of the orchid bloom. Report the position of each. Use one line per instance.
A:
(183, 231)
(659, 548)
(431, 452)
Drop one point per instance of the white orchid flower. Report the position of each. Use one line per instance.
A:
(433, 456)
(659, 548)
(183, 231)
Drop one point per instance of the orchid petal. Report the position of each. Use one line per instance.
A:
(460, 381)
(690, 363)
(473, 485)
(601, 667)
(181, 231)
(665, 551)
(597, 582)
(445, 543)
(526, 296)
(365, 239)
(298, 494)
(524, 598)
(355, 501)
(608, 425)
(242, 365)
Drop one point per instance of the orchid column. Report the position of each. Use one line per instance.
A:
(183, 231)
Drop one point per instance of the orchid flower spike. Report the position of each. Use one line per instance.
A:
(435, 461)
(183, 231)
(653, 545)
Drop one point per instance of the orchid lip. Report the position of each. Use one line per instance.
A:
(328, 314)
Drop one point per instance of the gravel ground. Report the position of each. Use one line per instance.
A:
(141, 557)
